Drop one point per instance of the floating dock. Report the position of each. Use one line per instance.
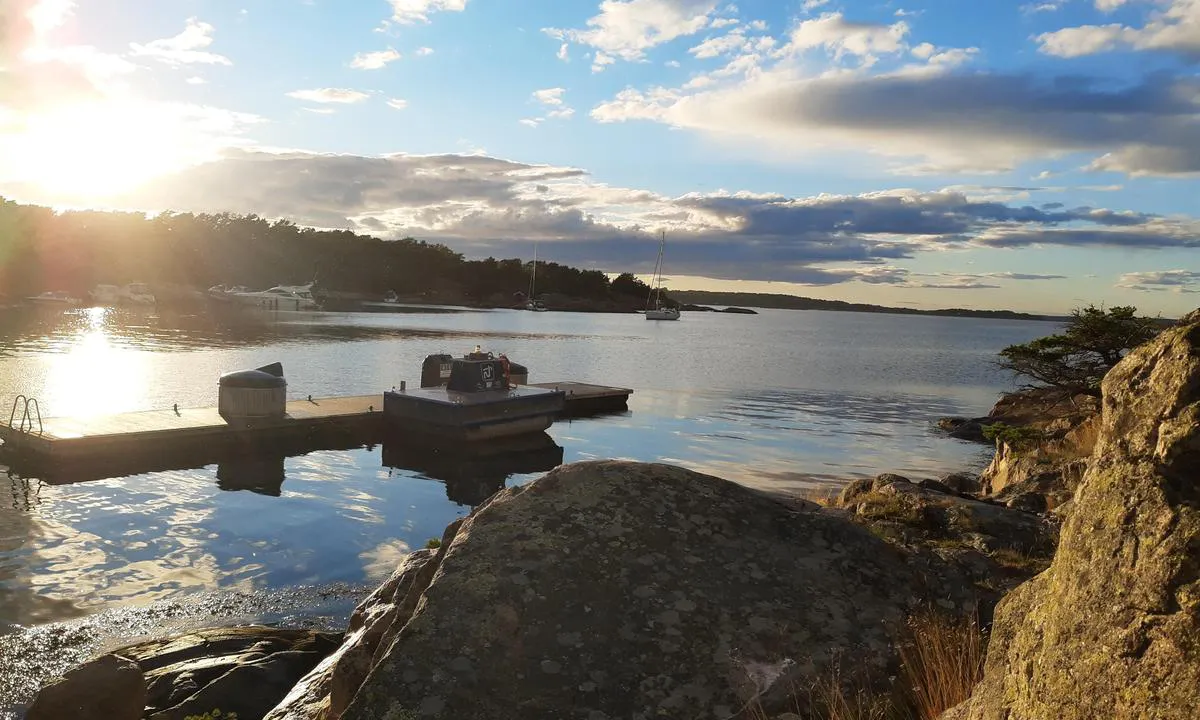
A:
(154, 440)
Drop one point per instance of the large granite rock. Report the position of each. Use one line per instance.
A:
(628, 590)
(1112, 628)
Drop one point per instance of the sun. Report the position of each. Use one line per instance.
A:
(96, 150)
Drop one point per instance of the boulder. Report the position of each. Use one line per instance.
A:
(962, 428)
(109, 687)
(245, 670)
(623, 590)
(970, 551)
(961, 482)
(1112, 628)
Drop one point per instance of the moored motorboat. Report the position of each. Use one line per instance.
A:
(54, 297)
(476, 397)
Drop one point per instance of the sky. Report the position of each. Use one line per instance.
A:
(924, 153)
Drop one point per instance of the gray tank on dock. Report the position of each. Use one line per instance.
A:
(247, 397)
(477, 401)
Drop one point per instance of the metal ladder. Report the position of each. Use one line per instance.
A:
(25, 425)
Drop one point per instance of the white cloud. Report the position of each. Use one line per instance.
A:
(374, 60)
(185, 48)
(734, 41)
(600, 61)
(1175, 28)
(723, 22)
(330, 95)
(530, 122)
(412, 11)
(46, 15)
(563, 113)
(424, 51)
(564, 52)
(320, 110)
(397, 103)
(196, 80)
(840, 37)
(810, 5)
(1040, 7)
(549, 96)
(626, 29)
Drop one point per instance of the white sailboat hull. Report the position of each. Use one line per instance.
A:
(662, 314)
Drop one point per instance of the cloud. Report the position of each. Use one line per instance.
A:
(185, 48)
(1181, 281)
(549, 96)
(564, 52)
(374, 60)
(413, 11)
(626, 29)
(1040, 7)
(196, 80)
(936, 120)
(484, 205)
(552, 100)
(330, 95)
(424, 51)
(397, 103)
(840, 37)
(1175, 28)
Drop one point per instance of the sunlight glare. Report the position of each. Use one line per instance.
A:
(94, 377)
(100, 149)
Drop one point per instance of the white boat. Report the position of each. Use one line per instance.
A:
(138, 294)
(54, 297)
(658, 312)
(533, 303)
(132, 294)
(280, 297)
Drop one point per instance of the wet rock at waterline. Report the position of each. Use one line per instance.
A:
(242, 670)
(109, 687)
(1112, 628)
(616, 589)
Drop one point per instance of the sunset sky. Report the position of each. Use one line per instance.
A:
(937, 154)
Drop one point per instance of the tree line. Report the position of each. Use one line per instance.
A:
(73, 251)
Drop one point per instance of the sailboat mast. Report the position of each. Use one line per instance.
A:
(658, 266)
(533, 273)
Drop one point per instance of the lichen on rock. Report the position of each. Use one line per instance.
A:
(1112, 628)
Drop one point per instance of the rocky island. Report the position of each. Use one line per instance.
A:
(627, 590)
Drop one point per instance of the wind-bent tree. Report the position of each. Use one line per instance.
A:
(1093, 341)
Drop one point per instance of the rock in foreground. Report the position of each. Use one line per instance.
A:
(243, 670)
(1112, 628)
(626, 590)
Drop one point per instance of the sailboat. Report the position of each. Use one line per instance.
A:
(658, 312)
(533, 303)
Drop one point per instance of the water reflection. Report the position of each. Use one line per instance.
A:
(259, 475)
(474, 474)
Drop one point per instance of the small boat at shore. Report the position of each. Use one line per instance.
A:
(280, 297)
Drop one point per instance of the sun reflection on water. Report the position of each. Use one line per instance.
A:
(94, 376)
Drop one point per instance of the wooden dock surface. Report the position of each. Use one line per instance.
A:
(200, 433)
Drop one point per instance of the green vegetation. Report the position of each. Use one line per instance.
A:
(433, 543)
(74, 251)
(213, 715)
(1076, 360)
(1012, 435)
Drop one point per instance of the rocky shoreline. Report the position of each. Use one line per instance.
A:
(630, 590)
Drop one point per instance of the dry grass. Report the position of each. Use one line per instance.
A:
(823, 496)
(942, 662)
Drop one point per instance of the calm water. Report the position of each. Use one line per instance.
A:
(782, 400)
